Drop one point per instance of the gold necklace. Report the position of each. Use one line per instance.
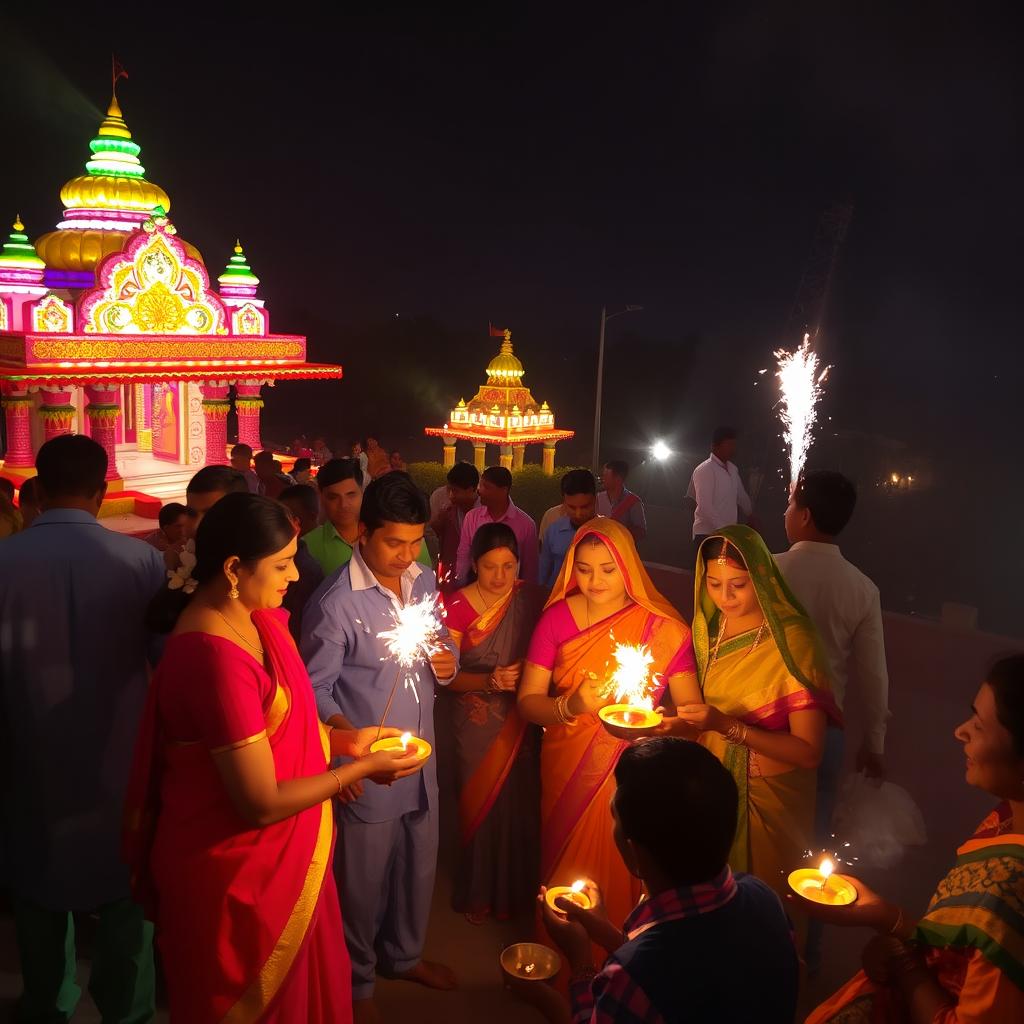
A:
(251, 647)
(721, 637)
(480, 593)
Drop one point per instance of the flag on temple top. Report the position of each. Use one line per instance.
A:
(116, 70)
(496, 332)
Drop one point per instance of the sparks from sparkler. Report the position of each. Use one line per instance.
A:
(413, 638)
(800, 377)
(631, 681)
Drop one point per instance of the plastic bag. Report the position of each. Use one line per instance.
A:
(877, 821)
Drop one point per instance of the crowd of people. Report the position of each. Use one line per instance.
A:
(193, 720)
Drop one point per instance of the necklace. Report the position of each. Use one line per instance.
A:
(721, 637)
(480, 593)
(251, 647)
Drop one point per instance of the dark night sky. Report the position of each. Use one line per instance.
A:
(528, 169)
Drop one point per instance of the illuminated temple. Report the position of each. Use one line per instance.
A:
(109, 326)
(502, 413)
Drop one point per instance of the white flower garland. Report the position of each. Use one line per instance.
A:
(182, 578)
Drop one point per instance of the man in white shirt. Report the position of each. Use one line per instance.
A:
(844, 605)
(717, 489)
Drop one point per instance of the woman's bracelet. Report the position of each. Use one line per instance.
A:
(562, 710)
(337, 779)
(895, 929)
(737, 733)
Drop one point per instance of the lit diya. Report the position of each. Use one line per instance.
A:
(820, 885)
(530, 961)
(633, 715)
(406, 743)
(573, 893)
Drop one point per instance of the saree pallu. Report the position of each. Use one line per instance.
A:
(248, 921)
(498, 763)
(578, 760)
(972, 937)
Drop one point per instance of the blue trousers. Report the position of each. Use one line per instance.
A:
(385, 874)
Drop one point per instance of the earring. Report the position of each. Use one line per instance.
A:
(233, 592)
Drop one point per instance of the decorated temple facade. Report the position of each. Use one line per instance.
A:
(504, 413)
(109, 326)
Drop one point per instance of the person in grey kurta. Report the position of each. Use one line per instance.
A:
(73, 677)
(387, 836)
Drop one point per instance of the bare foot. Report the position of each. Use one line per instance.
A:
(364, 1011)
(431, 975)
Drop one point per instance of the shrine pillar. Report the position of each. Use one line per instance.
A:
(548, 458)
(216, 403)
(57, 412)
(518, 455)
(144, 417)
(248, 405)
(449, 452)
(103, 407)
(17, 408)
(480, 456)
(505, 458)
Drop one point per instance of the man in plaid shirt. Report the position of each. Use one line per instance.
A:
(702, 929)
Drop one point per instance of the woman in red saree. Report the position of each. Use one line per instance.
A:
(602, 596)
(229, 823)
(497, 751)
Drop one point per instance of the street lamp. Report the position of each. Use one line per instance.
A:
(605, 317)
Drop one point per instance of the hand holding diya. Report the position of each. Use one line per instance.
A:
(633, 714)
(821, 885)
(573, 893)
(405, 744)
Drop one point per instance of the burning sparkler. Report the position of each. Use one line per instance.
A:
(413, 638)
(800, 381)
(631, 682)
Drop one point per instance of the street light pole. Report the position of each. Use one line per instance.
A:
(600, 381)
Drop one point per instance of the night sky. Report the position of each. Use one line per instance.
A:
(526, 170)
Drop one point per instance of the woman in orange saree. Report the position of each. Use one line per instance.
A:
(497, 752)
(602, 596)
(229, 823)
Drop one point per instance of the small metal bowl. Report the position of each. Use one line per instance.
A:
(530, 961)
(628, 732)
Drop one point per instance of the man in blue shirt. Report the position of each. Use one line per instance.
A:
(667, 964)
(387, 836)
(579, 500)
(73, 678)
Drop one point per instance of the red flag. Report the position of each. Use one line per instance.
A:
(495, 332)
(116, 71)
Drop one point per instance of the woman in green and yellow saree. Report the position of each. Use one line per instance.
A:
(764, 700)
(963, 962)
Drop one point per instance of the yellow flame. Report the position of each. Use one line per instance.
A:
(631, 681)
(406, 740)
(826, 868)
(579, 885)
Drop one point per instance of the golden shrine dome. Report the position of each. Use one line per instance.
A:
(104, 205)
(505, 368)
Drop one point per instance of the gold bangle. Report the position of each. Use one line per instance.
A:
(337, 779)
(894, 930)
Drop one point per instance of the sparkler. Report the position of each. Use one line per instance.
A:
(631, 681)
(800, 381)
(413, 638)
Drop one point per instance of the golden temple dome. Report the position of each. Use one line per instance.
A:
(505, 369)
(104, 205)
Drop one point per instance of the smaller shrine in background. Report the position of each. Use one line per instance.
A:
(502, 413)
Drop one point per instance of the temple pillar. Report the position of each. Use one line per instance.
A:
(548, 458)
(248, 405)
(216, 403)
(103, 407)
(57, 412)
(505, 458)
(144, 417)
(480, 456)
(17, 408)
(518, 455)
(449, 452)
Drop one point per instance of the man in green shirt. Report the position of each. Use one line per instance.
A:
(341, 497)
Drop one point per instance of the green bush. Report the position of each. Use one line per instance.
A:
(532, 489)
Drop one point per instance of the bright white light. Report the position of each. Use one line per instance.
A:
(660, 451)
(800, 381)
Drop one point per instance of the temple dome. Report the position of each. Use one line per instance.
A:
(505, 368)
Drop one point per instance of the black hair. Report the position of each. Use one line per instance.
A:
(7, 489)
(395, 451)
(241, 449)
(28, 492)
(246, 526)
(71, 466)
(498, 475)
(668, 772)
(302, 465)
(723, 434)
(305, 495)
(337, 470)
(578, 481)
(464, 475)
(1006, 677)
(714, 547)
(618, 467)
(217, 479)
(393, 498)
(172, 511)
(489, 537)
(829, 496)
(266, 455)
